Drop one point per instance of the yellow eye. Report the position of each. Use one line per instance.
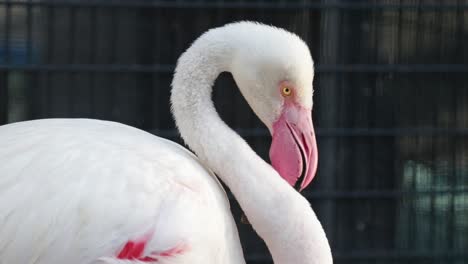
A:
(286, 91)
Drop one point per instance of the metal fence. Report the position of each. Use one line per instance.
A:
(391, 102)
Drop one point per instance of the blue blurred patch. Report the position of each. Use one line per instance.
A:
(17, 55)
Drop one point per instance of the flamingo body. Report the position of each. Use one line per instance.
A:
(96, 185)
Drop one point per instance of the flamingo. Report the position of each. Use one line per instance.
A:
(81, 191)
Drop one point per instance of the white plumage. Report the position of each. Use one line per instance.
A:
(76, 191)
(73, 191)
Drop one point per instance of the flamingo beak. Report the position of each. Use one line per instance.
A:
(293, 151)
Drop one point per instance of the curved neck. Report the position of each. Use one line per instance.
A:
(281, 216)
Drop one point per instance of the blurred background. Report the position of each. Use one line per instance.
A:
(391, 102)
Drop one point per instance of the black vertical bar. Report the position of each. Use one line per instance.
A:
(31, 90)
(3, 97)
(50, 50)
(305, 19)
(92, 59)
(158, 47)
(29, 32)
(112, 59)
(145, 55)
(452, 178)
(330, 36)
(399, 205)
(436, 149)
(413, 215)
(4, 75)
(71, 60)
(447, 222)
(451, 221)
(412, 221)
(431, 182)
(7, 32)
(377, 16)
(356, 206)
(72, 32)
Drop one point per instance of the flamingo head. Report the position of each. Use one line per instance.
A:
(274, 71)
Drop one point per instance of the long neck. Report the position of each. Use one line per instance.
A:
(281, 216)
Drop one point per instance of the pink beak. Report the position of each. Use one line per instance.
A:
(293, 151)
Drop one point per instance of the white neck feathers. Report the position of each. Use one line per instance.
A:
(280, 215)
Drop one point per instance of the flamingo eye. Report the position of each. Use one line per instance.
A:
(286, 91)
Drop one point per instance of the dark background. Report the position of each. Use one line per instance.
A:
(391, 102)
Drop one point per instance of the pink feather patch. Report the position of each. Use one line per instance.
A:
(134, 249)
